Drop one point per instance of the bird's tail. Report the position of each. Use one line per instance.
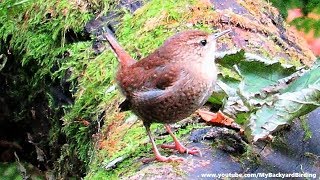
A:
(124, 58)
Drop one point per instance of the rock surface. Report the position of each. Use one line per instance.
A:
(290, 152)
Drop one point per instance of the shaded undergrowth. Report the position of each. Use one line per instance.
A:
(52, 84)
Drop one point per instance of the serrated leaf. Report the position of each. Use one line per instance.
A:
(269, 94)
(297, 100)
(310, 78)
(256, 72)
(257, 75)
(230, 58)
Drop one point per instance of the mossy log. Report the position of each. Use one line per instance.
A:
(257, 27)
(59, 102)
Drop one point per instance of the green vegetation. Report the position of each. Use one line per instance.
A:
(48, 37)
(47, 48)
(10, 171)
(306, 128)
(50, 49)
(153, 23)
(19, 171)
(304, 23)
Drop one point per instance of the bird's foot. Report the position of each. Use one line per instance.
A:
(181, 149)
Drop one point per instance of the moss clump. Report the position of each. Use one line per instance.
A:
(10, 171)
(48, 55)
(306, 128)
(155, 22)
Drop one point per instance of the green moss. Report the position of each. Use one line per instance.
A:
(18, 171)
(280, 143)
(312, 156)
(10, 171)
(293, 61)
(40, 36)
(306, 128)
(250, 157)
(134, 151)
(140, 34)
(152, 24)
(100, 174)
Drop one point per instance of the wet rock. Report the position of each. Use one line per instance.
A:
(289, 153)
(292, 152)
(97, 26)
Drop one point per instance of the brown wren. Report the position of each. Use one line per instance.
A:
(171, 83)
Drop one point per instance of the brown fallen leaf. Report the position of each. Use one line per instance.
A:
(219, 119)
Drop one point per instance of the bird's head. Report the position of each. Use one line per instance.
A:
(192, 45)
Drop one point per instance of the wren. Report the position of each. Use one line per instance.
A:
(171, 83)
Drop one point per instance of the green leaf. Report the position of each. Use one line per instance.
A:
(256, 72)
(257, 75)
(267, 94)
(300, 98)
(310, 78)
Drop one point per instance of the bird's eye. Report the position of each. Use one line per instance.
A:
(203, 42)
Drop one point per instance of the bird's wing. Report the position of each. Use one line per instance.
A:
(142, 86)
(151, 79)
(154, 71)
(163, 87)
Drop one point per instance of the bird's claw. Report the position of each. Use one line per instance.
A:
(193, 151)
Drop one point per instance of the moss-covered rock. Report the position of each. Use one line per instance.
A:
(53, 84)
(60, 94)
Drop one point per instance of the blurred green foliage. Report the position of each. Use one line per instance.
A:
(303, 23)
(9, 171)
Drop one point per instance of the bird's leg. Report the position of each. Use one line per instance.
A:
(159, 157)
(177, 145)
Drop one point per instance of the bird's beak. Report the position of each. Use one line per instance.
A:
(219, 34)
